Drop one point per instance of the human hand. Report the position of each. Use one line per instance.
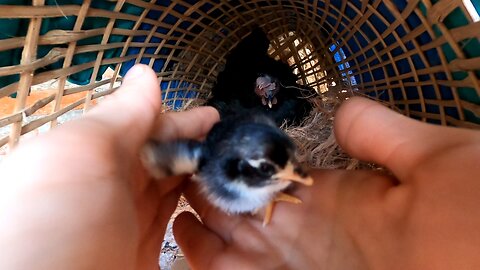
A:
(425, 216)
(78, 198)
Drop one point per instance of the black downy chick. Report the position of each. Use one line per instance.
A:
(243, 165)
(253, 81)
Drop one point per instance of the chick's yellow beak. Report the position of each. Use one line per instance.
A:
(295, 174)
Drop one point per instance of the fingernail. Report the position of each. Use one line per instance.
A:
(134, 72)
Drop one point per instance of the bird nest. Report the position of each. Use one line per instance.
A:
(316, 143)
(315, 139)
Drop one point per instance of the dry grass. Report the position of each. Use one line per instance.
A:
(315, 139)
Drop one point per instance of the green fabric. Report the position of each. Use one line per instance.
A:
(471, 49)
(18, 27)
(11, 28)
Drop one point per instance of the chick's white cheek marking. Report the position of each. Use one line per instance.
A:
(256, 162)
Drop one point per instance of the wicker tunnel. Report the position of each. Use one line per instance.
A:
(421, 57)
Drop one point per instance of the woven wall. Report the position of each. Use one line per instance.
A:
(420, 56)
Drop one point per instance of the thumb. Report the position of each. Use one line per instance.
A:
(371, 132)
(131, 111)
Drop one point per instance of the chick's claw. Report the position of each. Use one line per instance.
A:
(268, 213)
(281, 197)
(284, 197)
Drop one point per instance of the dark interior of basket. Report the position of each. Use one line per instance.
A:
(420, 56)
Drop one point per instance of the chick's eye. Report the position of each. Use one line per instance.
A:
(267, 168)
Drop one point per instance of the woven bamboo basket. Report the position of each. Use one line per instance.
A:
(421, 57)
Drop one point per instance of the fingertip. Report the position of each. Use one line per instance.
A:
(212, 112)
(349, 112)
(369, 131)
(211, 115)
(130, 112)
(141, 82)
(183, 227)
(198, 243)
(183, 222)
(207, 113)
(136, 72)
(192, 124)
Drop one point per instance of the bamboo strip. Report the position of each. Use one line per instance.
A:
(29, 55)
(42, 121)
(68, 59)
(98, 61)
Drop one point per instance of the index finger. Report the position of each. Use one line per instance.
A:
(191, 124)
(200, 245)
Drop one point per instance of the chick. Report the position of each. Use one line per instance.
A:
(253, 81)
(243, 165)
(266, 88)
